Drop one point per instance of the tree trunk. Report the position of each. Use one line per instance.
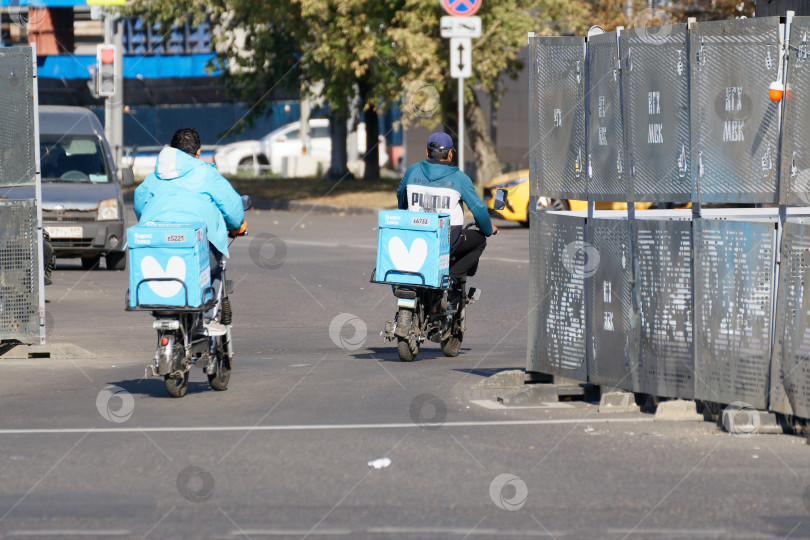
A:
(487, 165)
(372, 157)
(338, 132)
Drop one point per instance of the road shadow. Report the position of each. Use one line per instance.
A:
(156, 388)
(389, 354)
(485, 372)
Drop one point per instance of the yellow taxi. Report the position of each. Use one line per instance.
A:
(516, 184)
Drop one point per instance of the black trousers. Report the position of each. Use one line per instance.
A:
(466, 252)
(214, 258)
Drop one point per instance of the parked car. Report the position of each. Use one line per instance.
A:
(82, 207)
(270, 151)
(516, 185)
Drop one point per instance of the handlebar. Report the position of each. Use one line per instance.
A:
(472, 224)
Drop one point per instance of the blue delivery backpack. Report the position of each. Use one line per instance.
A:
(168, 265)
(413, 248)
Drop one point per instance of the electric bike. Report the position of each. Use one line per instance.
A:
(186, 337)
(437, 314)
(430, 313)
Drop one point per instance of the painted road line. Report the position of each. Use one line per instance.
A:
(321, 427)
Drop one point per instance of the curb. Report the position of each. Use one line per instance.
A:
(314, 208)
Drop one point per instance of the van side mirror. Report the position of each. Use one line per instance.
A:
(126, 176)
(500, 200)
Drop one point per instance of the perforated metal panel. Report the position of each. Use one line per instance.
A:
(655, 94)
(613, 359)
(735, 127)
(790, 364)
(734, 287)
(606, 178)
(557, 309)
(19, 271)
(557, 117)
(794, 182)
(17, 162)
(663, 282)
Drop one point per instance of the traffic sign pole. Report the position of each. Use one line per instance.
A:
(461, 124)
(460, 26)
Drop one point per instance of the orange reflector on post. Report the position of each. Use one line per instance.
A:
(776, 90)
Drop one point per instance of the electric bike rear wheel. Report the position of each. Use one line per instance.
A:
(176, 385)
(219, 380)
(407, 349)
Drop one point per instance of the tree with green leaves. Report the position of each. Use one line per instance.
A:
(366, 53)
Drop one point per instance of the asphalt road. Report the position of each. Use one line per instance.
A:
(284, 452)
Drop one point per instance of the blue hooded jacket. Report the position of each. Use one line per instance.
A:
(433, 186)
(184, 189)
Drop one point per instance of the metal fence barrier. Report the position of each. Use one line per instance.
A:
(707, 304)
(735, 127)
(557, 313)
(17, 166)
(655, 93)
(22, 307)
(19, 271)
(557, 123)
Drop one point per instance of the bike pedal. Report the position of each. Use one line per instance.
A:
(474, 295)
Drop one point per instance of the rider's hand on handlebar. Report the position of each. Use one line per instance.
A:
(241, 231)
(494, 230)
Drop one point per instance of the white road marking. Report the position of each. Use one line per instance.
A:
(464, 532)
(69, 532)
(488, 404)
(319, 427)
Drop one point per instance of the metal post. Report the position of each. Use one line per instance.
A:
(117, 106)
(108, 31)
(38, 195)
(461, 124)
(114, 105)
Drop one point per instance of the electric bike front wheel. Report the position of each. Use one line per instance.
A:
(452, 345)
(219, 380)
(407, 349)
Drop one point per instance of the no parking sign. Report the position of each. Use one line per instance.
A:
(461, 8)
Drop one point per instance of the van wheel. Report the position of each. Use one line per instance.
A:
(91, 263)
(116, 260)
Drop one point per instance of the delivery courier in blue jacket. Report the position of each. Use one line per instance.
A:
(185, 189)
(435, 185)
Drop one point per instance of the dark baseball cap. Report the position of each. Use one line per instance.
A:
(442, 140)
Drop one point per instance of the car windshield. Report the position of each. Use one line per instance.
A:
(68, 158)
